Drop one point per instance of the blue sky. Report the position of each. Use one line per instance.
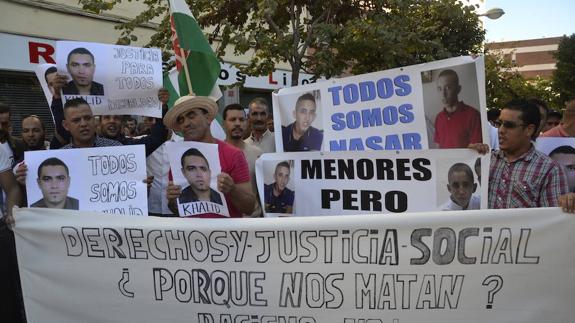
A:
(528, 19)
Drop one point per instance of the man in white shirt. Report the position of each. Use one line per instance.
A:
(235, 124)
(260, 137)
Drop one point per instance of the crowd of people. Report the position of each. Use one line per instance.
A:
(520, 176)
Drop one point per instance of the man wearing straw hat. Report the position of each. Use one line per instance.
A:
(192, 116)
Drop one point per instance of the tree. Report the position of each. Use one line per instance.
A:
(503, 82)
(564, 75)
(323, 38)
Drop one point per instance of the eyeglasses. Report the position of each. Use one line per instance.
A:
(507, 124)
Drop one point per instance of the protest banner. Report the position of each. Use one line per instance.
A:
(195, 167)
(113, 79)
(562, 150)
(402, 108)
(345, 183)
(103, 179)
(512, 266)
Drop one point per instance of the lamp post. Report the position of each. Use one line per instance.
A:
(493, 13)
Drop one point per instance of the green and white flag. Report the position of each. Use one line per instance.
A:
(196, 62)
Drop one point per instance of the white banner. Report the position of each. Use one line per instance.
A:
(348, 183)
(103, 179)
(113, 79)
(513, 266)
(435, 105)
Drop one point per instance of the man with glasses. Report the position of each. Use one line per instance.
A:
(54, 182)
(519, 175)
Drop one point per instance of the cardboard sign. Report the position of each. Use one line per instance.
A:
(435, 105)
(345, 183)
(195, 167)
(113, 79)
(103, 179)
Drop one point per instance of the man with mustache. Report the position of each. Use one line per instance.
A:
(81, 66)
(235, 124)
(192, 116)
(33, 133)
(196, 170)
(54, 182)
(260, 137)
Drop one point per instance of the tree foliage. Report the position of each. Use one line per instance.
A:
(503, 82)
(323, 38)
(564, 75)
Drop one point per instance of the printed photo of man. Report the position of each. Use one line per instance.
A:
(81, 66)
(300, 135)
(565, 156)
(278, 198)
(196, 170)
(457, 124)
(50, 76)
(461, 186)
(54, 182)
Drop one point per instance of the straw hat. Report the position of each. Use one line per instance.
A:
(187, 103)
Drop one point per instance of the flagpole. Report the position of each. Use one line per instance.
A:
(186, 71)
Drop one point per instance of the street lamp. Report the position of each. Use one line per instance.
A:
(493, 13)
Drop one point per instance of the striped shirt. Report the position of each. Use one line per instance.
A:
(533, 180)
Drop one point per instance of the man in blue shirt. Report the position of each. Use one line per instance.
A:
(278, 198)
(300, 135)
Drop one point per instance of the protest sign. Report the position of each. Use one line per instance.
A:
(46, 74)
(195, 167)
(104, 179)
(512, 266)
(402, 108)
(113, 79)
(562, 150)
(344, 183)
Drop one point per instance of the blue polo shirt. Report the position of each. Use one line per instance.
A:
(277, 204)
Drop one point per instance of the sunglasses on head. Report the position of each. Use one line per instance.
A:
(507, 124)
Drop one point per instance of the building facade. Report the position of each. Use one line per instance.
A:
(533, 57)
(29, 30)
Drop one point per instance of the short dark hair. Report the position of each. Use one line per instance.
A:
(539, 103)
(261, 101)
(460, 167)
(529, 113)
(4, 108)
(233, 106)
(556, 114)
(75, 102)
(35, 117)
(193, 152)
(449, 72)
(563, 150)
(50, 70)
(304, 97)
(493, 114)
(129, 118)
(282, 164)
(53, 161)
(81, 51)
